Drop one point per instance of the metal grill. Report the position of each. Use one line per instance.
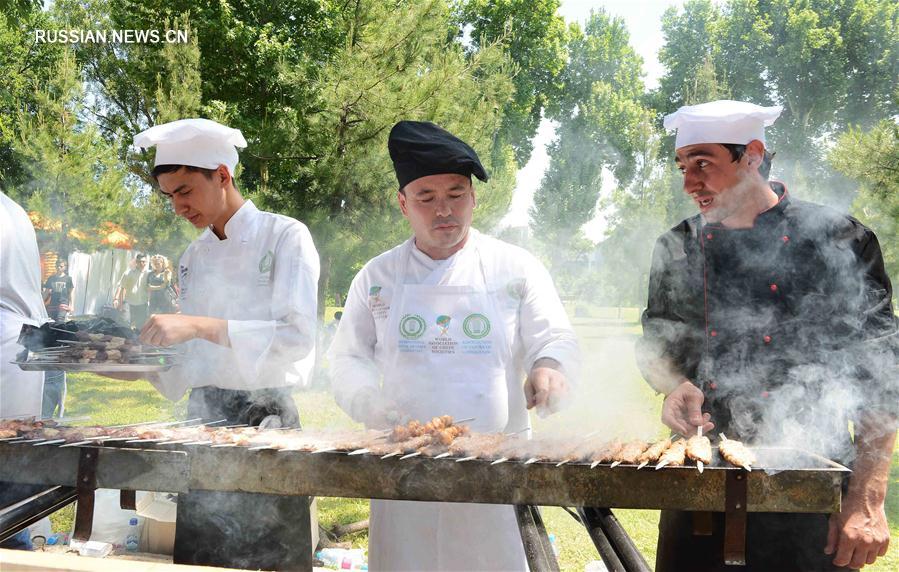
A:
(786, 480)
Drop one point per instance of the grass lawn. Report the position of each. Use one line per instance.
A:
(612, 399)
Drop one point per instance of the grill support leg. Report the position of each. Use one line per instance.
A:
(45, 503)
(609, 536)
(735, 518)
(87, 484)
(537, 547)
(606, 551)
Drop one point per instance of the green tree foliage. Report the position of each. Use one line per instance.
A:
(74, 175)
(399, 61)
(23, 64)
(832, 64)
(871, 158)
(533, 35)
(600, 126)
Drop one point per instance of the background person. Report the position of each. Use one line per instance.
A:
(58, 292)
(769, 319)
(455, 323)
(159, 285)
(132, 291)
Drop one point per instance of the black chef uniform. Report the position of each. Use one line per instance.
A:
(788, 330)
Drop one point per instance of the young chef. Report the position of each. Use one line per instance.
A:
(449, 322)
(247, 328)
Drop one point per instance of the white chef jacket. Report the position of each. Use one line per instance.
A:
(20, 303)
(535, 320)
(263, 279)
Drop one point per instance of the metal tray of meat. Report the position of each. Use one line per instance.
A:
(98, 367)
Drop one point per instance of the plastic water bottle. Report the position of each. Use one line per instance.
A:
(132, 539)
(342, 559)
(554, 544)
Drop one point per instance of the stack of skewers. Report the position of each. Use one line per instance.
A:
(100, 349)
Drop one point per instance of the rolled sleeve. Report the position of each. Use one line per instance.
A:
(352, 353)
(544, 326)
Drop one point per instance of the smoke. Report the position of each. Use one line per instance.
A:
(787, 327)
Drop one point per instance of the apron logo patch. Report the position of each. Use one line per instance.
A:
(265, 263)
(515, 288)
(183, 273)
(476, 326)
(265, 269)
(377, 306)
(412, 326)
(444, 323)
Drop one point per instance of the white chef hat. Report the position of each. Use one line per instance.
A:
(722, 121)
(194, 142)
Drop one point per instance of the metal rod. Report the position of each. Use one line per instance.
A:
(53, 442)
(606, 551)
(536, 544)
(602, 522)
(21, 515)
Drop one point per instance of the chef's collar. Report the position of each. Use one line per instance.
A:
(237, 226)
(421, 255)
(783, 200)
(770, 215)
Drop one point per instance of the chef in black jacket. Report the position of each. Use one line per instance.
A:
(769, 319)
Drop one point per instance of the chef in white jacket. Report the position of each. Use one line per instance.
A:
(20, 303)
(248, 294)
(449, 322)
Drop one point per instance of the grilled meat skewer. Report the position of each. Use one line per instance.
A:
(736, 453)
(699, 448)
(675, 455)
(652, 454)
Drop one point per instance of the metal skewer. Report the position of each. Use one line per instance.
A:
(52, 442)
(699, 465)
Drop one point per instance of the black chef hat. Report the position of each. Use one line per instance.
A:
(420, 148)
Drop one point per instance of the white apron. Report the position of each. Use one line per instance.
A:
(447, 354)
(21, 392)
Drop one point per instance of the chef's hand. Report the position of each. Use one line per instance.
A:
(682, 410)
(170, 329)
(859, 533)
(374, 410)
(546, 387)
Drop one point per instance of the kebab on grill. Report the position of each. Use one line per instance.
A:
(630, 452)
(653, 452)
(699, 448)
(736, 453)
(674, 455)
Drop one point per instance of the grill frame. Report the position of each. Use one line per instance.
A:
(183, 467)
